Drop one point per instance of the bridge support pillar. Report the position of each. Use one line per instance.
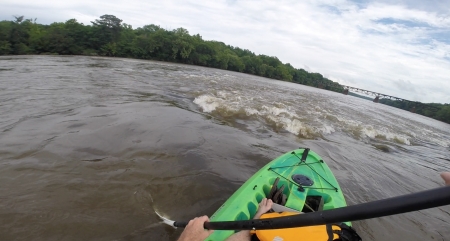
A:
(377, 99)
(345, 92)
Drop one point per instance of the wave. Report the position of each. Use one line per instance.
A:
(308, 122)
(276, 115)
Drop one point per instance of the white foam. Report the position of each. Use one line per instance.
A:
(384, 133)
(305, 122)
(296, 127)
(326, 129)
(284, 117)
(207, 103)
(250, 111)
(277, 111)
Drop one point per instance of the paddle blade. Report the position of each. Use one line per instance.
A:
(166, 220)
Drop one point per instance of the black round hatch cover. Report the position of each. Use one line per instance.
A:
(302, 180)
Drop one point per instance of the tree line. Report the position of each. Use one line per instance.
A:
(433, 110)
(109, 36)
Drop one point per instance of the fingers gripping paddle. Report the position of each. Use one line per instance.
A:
(390, 206)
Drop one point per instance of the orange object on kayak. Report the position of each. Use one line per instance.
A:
(328, 232)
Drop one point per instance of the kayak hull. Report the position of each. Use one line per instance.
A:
(303, 174)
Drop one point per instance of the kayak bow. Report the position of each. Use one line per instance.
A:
(299, 180)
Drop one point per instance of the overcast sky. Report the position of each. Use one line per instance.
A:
(395, 47)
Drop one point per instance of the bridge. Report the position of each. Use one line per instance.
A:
(368, 92)
(379, 95)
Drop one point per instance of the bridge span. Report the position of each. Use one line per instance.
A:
(368, 92)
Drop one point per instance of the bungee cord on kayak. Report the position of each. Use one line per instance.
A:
(303, 162)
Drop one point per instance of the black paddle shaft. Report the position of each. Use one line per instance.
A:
(390, 206)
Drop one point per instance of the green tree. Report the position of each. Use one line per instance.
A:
(444, 114)
(250, 66)
(37, 38)
(106, 32)
(241, 52)
(19, 36)
(271, 61)
(220, 60)
(79, 34)
(203, 53)
(282, 73)
(235, 63)
(5, 36)
(58, 39)
(126, 46)
(182, 45)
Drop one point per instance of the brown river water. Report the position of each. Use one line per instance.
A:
(90, 147)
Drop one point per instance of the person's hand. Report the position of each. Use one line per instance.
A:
(194, 230)
(446, 177)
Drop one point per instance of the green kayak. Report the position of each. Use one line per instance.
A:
(298, 180)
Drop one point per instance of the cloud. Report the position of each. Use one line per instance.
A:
(405, 85)
(374, 45)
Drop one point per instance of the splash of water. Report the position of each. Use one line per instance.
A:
(165, 220)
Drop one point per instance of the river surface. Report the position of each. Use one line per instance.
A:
(91, 147)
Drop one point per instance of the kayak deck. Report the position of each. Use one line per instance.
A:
(318, 181)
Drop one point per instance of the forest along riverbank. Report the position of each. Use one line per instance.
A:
(90, 147)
